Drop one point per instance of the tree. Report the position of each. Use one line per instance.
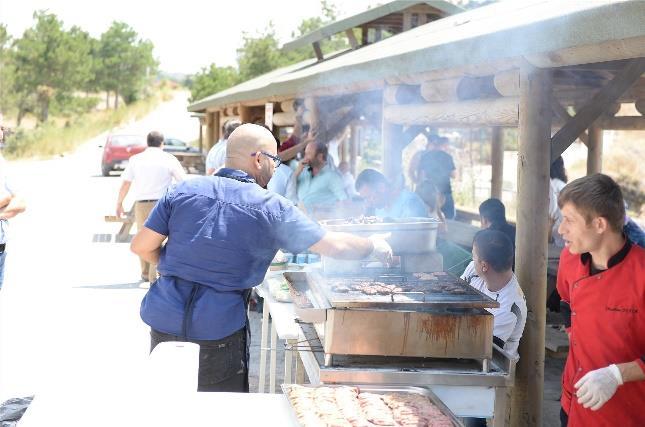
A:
(211, 80)
(48, 62)
(6, 75)
(258, 55)
(124, 62)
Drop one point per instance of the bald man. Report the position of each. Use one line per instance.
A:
(223, 231)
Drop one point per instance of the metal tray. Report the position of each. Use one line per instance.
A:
(381, 389)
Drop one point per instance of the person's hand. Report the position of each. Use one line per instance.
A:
(382, 249)
(119, 210)
(595, 388)
(299, 168)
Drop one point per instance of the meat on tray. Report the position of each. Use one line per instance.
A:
(347, 406)
(376, 288)
(366, 287)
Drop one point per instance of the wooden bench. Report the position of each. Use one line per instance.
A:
(126, 224)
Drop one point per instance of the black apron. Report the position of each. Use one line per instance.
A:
(223, 363)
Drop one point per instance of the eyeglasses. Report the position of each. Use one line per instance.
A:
(277, 160)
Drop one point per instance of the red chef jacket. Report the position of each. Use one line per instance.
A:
(607, 326)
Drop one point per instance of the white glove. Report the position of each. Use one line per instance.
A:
(382, 249)
(595, 388)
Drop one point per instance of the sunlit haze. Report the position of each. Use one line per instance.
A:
(187, 35)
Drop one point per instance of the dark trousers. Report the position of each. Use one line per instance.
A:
(223, 363)
(564, 418)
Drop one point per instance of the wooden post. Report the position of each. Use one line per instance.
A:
(268, 115)
(351, 37)
(313, 118)
(212, 129)
(318, 51)
(353, 149)
(497, 163)
(392, 150)
(392, 146)
(201, 136)
(594, 150)
(245, 114)
(531, 242)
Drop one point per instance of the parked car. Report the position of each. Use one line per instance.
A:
(118, 149)
(190, 157)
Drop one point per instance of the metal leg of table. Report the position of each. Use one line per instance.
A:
(502, 415)
(300, 370)
(288, 353)
(274, 350)
(264, 335)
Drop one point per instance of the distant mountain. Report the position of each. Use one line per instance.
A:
(176, 77)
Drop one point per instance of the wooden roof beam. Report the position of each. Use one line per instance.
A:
(564, 115)
(595, 107)
(318, 51)
(351, 37)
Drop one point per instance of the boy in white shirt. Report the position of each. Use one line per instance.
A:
(491, 273)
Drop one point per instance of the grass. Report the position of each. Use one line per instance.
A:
(54, 138)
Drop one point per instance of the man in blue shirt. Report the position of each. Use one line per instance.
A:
(223, 231)
(319, 186)
(388, 201)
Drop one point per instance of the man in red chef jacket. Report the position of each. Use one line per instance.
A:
(601, 279)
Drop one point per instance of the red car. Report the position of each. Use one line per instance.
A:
(118, 149)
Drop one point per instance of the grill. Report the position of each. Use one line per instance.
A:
(407, 315)
(412, 291)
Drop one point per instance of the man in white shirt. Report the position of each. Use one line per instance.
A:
(216, 156)
(491, 273)
(151, 171)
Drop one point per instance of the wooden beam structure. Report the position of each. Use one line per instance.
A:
(622, 123)
(284, 119)
(497, 163)
(640, 106)
(351, 37)
(212, 128)
(246, 114)
(475, 113)
(609, 94)
(507, 82)
(402, 94)
(353, 149)
(287, 106)
(391, 137)
(268, 115)
(531, 242)
(594, 152)
(562, 114)
(318, 51)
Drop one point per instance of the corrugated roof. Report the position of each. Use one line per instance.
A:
(502, 31)
(365, 17)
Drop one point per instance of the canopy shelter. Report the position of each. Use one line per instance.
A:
(558, 71)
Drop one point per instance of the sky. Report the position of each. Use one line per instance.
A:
(187, 34)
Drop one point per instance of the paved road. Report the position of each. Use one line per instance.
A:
(69, 306)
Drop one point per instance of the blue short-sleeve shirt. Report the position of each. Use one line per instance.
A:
(324, 189)
(223, 231)
(406, 205)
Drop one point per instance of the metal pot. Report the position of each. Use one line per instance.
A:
(407, 235)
